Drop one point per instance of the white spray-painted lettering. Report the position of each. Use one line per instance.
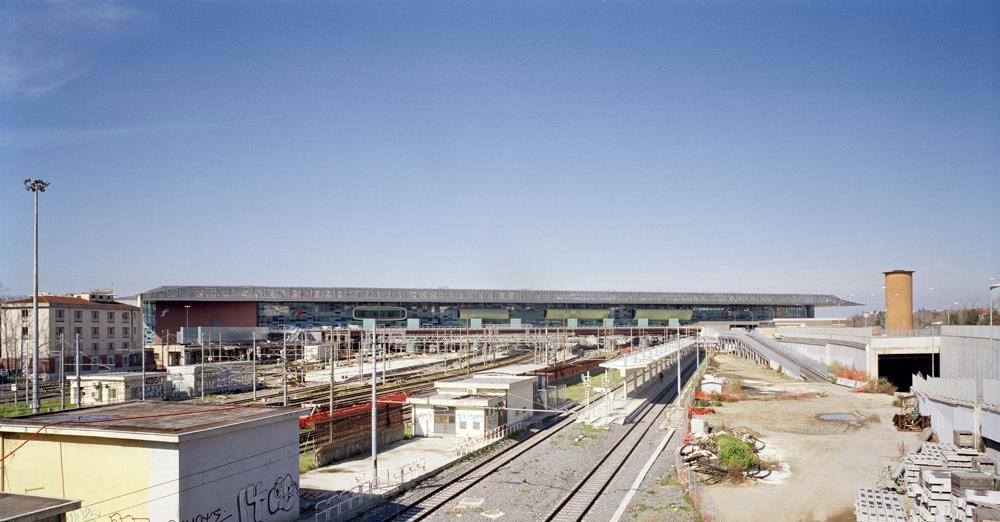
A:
(255, 501)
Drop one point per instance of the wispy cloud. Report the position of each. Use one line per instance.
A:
(40, 137)
(45, 45)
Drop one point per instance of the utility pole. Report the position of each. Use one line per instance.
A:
(202, 369)
(37, 186)
(374, 414)
(142, 347)
(678, 366)
(79, 398)
(253, 365)
(333, 375)
(62, 371)
(284, 368)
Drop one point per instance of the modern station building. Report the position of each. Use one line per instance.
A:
(168, 308)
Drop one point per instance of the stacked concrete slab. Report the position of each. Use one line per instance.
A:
(949, 483)
(874, 505)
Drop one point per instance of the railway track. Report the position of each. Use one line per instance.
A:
(574, 506)
(357, 392)
(442, 495)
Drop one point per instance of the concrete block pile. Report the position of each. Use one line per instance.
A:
(873, 505)
(950, 483)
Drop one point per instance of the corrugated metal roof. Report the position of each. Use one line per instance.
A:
(478, 296)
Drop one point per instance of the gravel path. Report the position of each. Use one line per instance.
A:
(532, 485)
(529, 487)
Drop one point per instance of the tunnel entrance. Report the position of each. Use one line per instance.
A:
(899, 368)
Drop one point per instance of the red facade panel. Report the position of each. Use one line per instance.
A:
(174, 315)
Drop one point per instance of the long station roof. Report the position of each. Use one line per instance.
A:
(468, 296)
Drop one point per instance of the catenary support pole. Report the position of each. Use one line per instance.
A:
(203, 361)
(76, 370)
(253, 365)
(284, 369)
(334, 343)
(142, 347)
(374, 414)
(62, 371)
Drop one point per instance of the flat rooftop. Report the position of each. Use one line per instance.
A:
(475, 401)
(138, 418)
(480, 296)
(481, 379)
(14, 507)
(116, 375)
(514, 369)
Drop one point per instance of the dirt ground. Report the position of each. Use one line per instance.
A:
(827, 461)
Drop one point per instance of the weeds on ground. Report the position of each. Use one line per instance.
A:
(734, 453)
(307, 461)
(882, 385)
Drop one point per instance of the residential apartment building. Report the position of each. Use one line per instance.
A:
(109, 333)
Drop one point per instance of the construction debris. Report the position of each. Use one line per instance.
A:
(703, 453)
(948, 483)
(909, 417)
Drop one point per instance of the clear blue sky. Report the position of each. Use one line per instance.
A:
(743, 146)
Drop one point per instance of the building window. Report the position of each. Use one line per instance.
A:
(24, 331)
(112, 394)
(111, 347)
(95, 315)
(124, 345)
(95, 347)
(60, 330)
(24, 313)
(60, 315)
(475, 425)
(461, 424)
(124, 316)
(125, 332)
(77, 315)
(95, 331)
(111, 316)
(78, 331)
(111, 331)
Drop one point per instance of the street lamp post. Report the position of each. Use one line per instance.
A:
(36, 186)
(992, 288)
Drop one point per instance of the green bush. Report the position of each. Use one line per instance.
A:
(734, 453)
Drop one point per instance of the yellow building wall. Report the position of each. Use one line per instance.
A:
(110, 476)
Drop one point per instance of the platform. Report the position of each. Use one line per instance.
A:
(432, 453)
(348, 369)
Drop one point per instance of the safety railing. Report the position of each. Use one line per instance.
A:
(343, 505)
(478, 442)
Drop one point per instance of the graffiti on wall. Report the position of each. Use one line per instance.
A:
(255, 502)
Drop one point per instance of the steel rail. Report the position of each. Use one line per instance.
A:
(435, 500)
(577, 503)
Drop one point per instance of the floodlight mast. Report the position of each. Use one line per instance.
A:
(36, 186)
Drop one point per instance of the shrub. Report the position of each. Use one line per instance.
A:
(734, 453)
(882, 385)
(733, 386)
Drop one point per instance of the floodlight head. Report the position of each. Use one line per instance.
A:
(35, 185)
